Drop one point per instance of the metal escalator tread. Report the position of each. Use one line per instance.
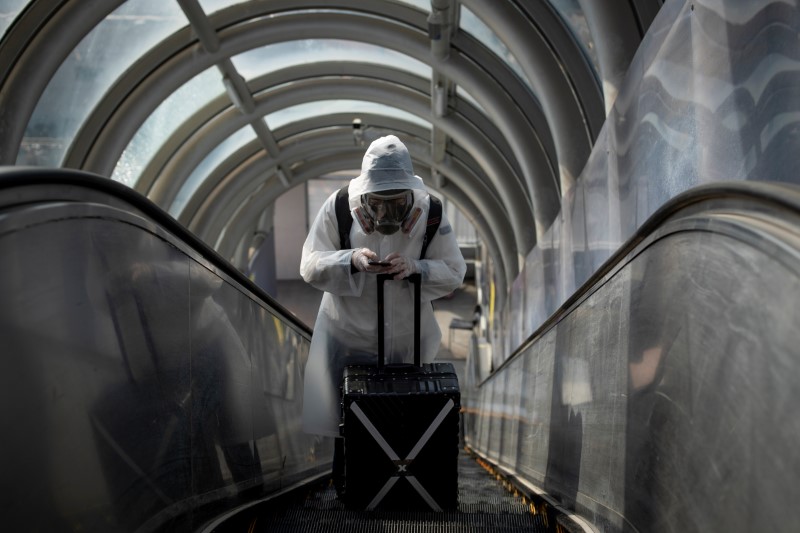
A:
(484, 505)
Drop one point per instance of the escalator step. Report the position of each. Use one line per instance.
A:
(484, 505)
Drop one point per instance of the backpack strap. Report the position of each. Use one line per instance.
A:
(344, 220)
(432, 226)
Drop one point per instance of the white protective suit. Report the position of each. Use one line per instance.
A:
(346, 330)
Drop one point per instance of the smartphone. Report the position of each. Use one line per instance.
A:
(380, 263)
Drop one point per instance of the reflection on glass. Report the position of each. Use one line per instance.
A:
(686, 118)
(475, 26)
(206, 167)
(9, 9)
(201, 393)
(254, 63)
(163, 122)
(89, 71)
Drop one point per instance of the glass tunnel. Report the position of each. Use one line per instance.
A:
(621, 178)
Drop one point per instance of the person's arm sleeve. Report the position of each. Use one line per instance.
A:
(443, 268)
(322, 264)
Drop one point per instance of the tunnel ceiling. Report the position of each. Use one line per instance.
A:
(214, 108)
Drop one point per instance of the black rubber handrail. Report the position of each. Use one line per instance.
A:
(11, 177)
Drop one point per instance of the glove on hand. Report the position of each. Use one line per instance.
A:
(361, 258)
(402, 266)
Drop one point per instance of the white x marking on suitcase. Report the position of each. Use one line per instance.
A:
(402, 464)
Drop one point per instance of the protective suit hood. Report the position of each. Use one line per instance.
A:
(386, 165)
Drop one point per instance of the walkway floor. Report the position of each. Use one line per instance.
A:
(484, 505)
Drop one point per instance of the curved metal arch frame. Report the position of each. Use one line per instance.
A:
(291, 134)
(250, 176)
(39, 50)
(326, 142)
(278, 82)
(616, 33)
(543, 140)
(468, 46)
(578, 70)
(81, 12)
(337, 120)
(373, 126)
(562, 103)
(245, 36)
(218, 107)
(232, 17)
(465, 134)
(117, 98)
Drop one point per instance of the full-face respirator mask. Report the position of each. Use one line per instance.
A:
(387, 212)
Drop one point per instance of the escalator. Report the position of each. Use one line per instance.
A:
(485, 504)
(148, 386)
(662, 395)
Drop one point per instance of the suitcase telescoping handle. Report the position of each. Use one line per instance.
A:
(416, 279)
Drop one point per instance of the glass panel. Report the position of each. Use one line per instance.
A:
(423, 5)
(159, 383)
(462, 93)
(273, 57)
(217, 156)
(162, 123)
(573, 15)
(319, 190)
(9, 9)
(277, 120)
(330, 107)
(210, 6)
(462, 225)
(689, 130)
(89, 71)
(475, 26)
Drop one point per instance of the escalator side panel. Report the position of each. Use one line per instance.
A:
(138, 382)
(664, 400)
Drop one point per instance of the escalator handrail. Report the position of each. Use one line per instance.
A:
(12, 177)
(785, 196)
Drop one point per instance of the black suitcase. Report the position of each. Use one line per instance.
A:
(400, 429)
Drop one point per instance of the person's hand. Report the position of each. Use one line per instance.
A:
(401, 266)
(361, 258)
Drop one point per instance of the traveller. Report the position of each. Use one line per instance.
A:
(389, 207)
